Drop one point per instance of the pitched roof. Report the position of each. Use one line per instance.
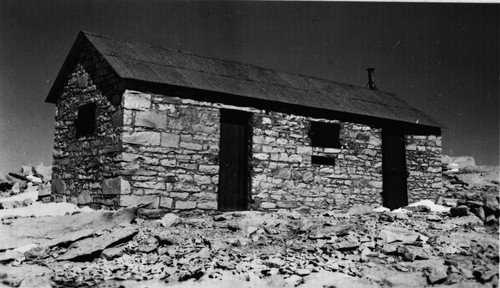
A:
(145, 62)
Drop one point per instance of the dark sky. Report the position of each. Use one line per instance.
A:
(441, 58)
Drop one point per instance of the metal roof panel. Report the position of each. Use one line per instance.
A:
(168, 66)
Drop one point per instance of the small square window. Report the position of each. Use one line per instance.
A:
(86, 120)
(323, 160)
(325, 135)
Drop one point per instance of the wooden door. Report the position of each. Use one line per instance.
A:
(394, 171)
(233, 155)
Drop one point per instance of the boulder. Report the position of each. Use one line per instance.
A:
(170, 220)
(491, 204)
(436, 273)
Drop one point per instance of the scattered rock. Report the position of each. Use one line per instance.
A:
(433, 218)
(169, 220)
(436, 273)
(347, 245)
(392, 234)
(387, 216)
(491, 220)
(27, 202)
(44, 190)
(112, 252)
(303, 272)
(359, 210)
(148, 245)
(38, 252)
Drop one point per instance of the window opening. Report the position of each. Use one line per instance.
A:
(325, 135)
(86, 120)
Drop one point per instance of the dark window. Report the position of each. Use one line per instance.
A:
(324, 135)
(323, 160)
(85, 123)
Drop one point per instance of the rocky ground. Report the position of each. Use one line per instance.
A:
(454, 245)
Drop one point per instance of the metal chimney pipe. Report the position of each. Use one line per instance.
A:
(371, 81)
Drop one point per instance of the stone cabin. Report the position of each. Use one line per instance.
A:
(139, 124)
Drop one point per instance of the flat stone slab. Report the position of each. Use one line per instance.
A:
(392, 234)
(89, 246)
(50, 231)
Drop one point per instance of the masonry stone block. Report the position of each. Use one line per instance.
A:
(282, 173)
(191, 146)
(84, 198)
(295, 158)
(170, 140)
(304, 150)
(136, 100)
(202, 179)
(166, 202)
(261, 156)
(168, 162)
(185, 205)
(180, 195)
(151, 201)
(211, 169)
(155, 185)
(151, 119)
(287, 204)
(58, 187)
(115, 186)
(142, 138)
(268, 205)
(207, 206)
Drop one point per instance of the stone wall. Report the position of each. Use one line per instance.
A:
(284, 177)
(165, 150)
(423, 161)
(80, 164)
(171, 149)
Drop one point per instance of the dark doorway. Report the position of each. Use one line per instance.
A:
(233, 172)
(394, 172)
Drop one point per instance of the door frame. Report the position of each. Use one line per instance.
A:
(392, 197)
(244, 179)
